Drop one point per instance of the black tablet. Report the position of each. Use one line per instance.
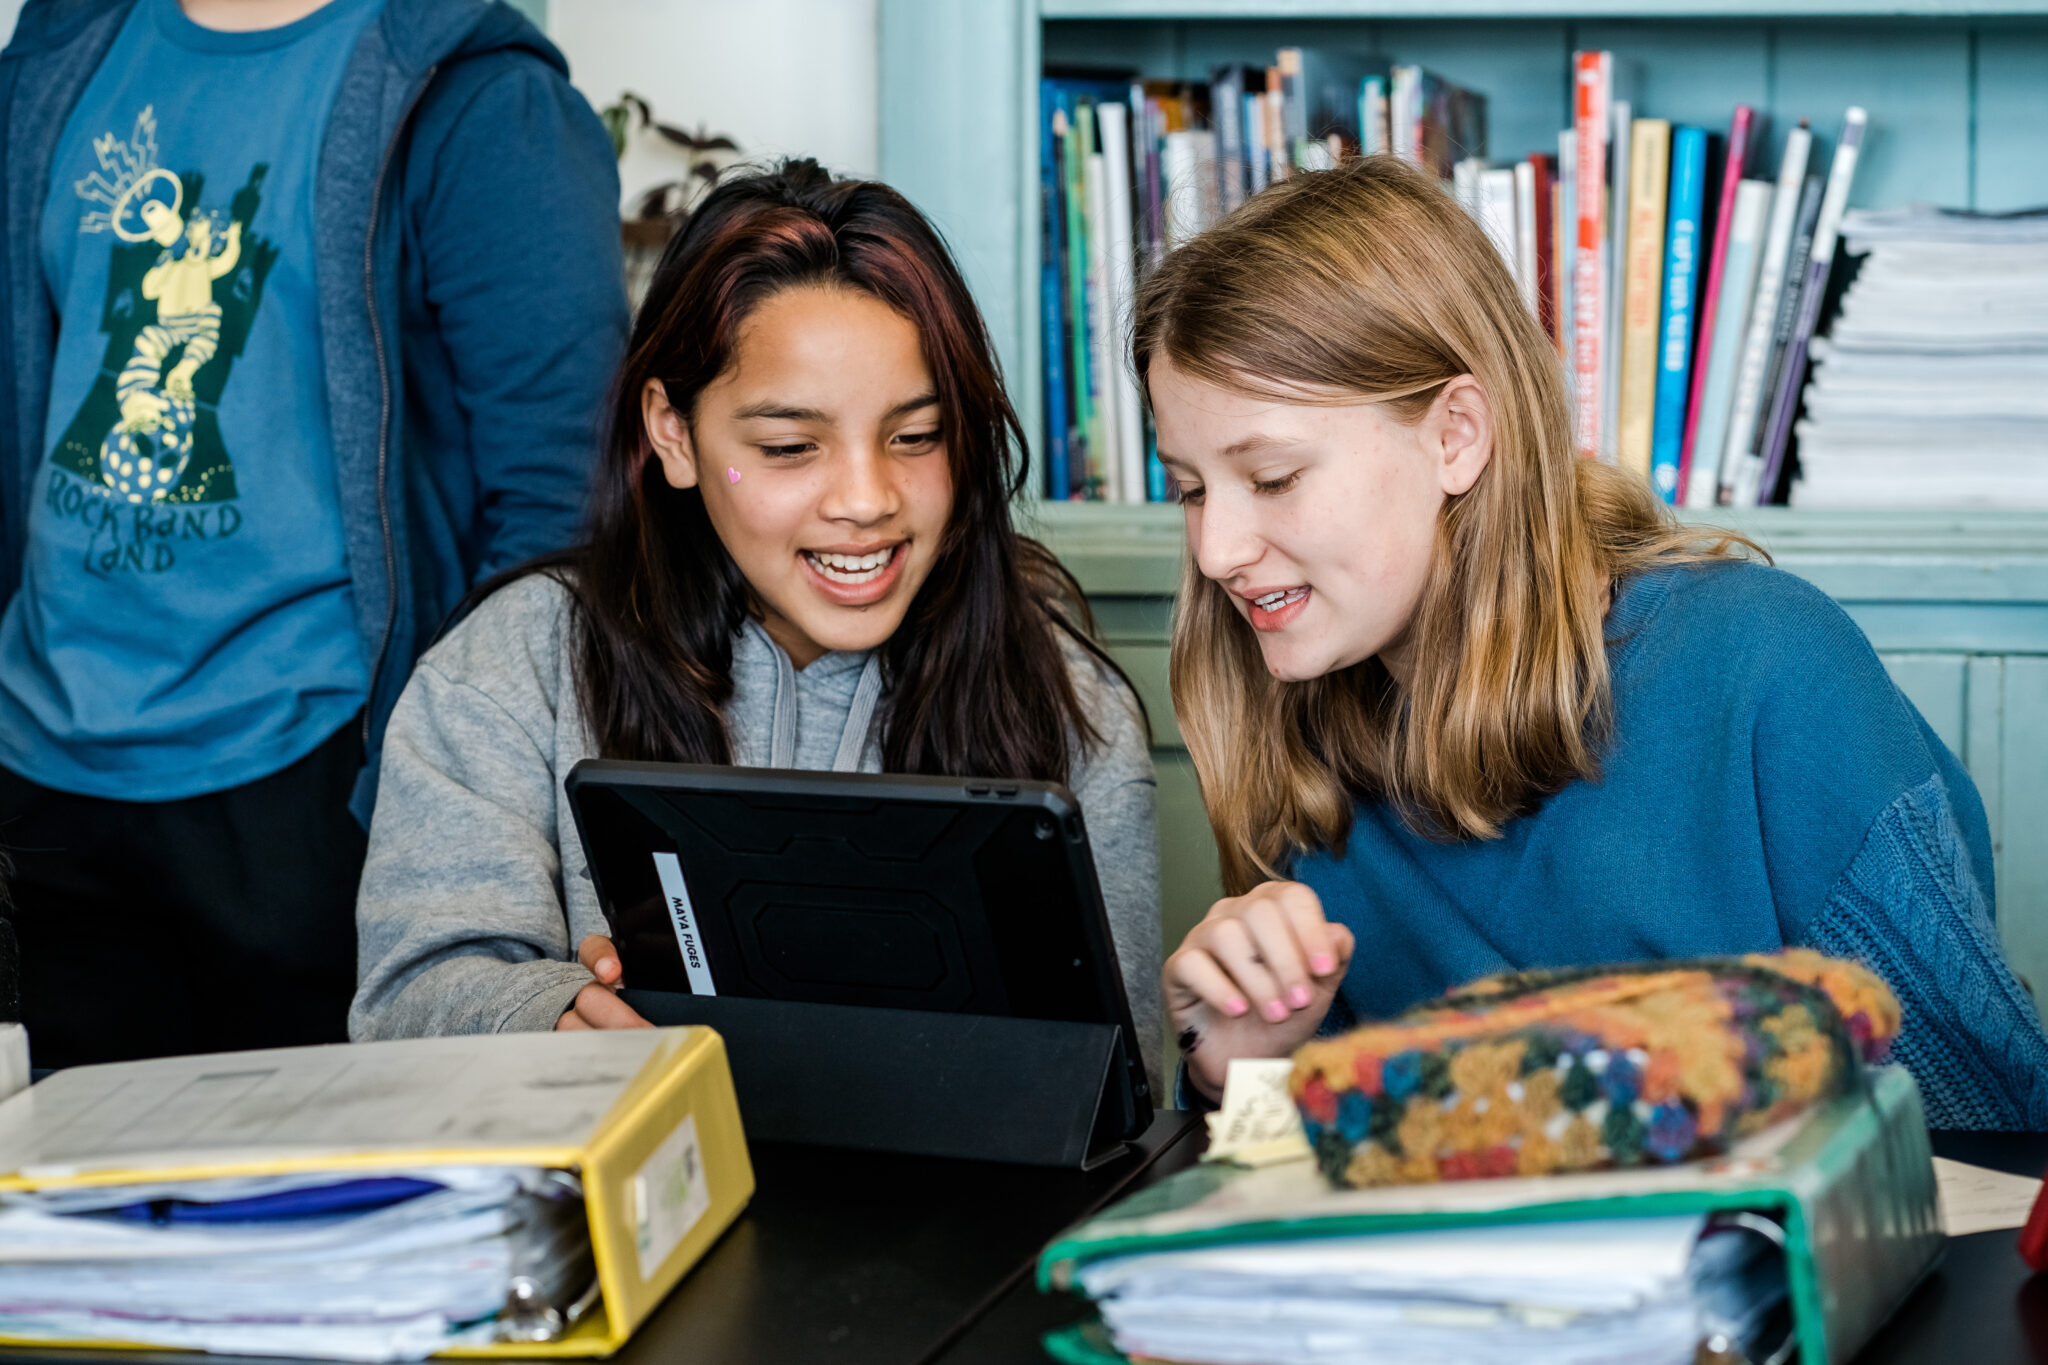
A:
(926, 893)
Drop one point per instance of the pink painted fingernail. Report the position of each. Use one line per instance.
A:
(606, 966)
(1276, 1010)
(1235, 1006)
(731, 475)
(1299, 997)
(1322, 964)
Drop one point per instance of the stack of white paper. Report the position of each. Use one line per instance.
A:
(410, 1263)
(1575, 1293)
(1933, 389)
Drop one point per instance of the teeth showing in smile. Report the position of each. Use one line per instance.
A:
(851, 568)
(1273, 601)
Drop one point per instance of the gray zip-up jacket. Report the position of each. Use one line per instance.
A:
(472, 300)
(475, 895)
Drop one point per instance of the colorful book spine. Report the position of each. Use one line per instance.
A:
(1112, 123)
(1841, 176)
(1104, 460)
(1751, 219)
(1648, 178)
(1256, 162)
(1374, 135)
(1770, 282)
(1544, 237)
(1052, 290)
(1527, 275)
(1564, 267)
(1620, 151)
(1749, 469)
(1226, 98)
(1083, 452)
(1737, 159)
(1591, 88)
(1495, 189)
(1681, 291)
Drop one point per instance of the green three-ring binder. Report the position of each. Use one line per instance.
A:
(1851, 1183)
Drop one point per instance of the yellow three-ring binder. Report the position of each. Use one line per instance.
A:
(646, 1117)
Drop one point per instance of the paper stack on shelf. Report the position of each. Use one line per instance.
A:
(1933, 389)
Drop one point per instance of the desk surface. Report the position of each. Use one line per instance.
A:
(855, 1259)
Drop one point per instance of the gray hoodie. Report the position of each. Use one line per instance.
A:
(475, 894)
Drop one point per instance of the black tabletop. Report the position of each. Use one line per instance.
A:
(859, 1258)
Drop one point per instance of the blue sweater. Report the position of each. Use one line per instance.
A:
(1766, 785)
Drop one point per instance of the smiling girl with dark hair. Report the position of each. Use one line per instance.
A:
(800, 555)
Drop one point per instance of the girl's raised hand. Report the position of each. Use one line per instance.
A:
(1254, 979)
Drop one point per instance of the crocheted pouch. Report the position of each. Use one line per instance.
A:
(1607, 1066)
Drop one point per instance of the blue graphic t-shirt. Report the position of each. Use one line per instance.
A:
(185, 622)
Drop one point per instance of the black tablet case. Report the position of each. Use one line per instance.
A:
(900, 963)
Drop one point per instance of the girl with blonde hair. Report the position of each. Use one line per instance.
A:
(1462, 702)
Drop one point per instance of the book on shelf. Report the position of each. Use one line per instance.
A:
(1755, 356)
(1592, 88)
(1734, 164)
(1720, 342)
(1113, 125)
(1434, 122)
(1536, 209)
(1649, 175)
(1564, 236)
(1777, 344)
(1615, 222)
(1682, 246)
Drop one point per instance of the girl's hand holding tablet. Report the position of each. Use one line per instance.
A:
(598, 1005)
(1254, 979)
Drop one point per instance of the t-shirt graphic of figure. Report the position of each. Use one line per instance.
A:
(186, 619)
(182, 290)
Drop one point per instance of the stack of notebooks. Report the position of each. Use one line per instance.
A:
(1941, 346)
(1680, 277)
(1807, 1234)
(532, 1193)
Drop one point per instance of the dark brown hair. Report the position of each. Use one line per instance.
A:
(977, 682)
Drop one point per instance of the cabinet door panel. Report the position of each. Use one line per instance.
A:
(1939, 685)
(2023, 855)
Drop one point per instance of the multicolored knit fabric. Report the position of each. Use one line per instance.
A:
(1572, 1070)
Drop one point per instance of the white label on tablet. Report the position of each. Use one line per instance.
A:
(683, 916)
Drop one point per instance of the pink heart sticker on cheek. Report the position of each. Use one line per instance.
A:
(731, 475)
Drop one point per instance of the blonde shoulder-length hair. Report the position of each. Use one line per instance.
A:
(1369, 282)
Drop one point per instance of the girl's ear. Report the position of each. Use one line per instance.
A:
(669, 434)
(1460, 432)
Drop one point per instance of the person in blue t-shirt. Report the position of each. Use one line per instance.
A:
(313, 305)
(1463, 703)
